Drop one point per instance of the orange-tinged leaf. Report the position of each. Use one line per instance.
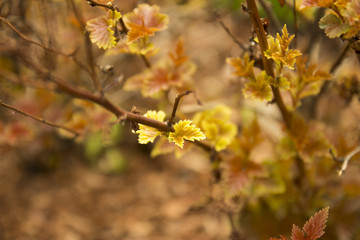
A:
(185, 130)
(333, 25)
(241, 170)
(101, 29)
(243, 67)
(314, 228)
(159, 80)
(316, 3)
(144, 21)
(179, 57)
(138, 31)
(297, 233)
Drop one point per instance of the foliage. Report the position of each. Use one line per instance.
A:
(312, 230)
(269, 157)
(183, 130)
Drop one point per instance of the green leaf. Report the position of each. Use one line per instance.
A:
(333, 25)
(93, 146)
(113, 162)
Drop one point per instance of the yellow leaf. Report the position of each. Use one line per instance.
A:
(278, 49)
(259, 89)
(148, 134)
(184, 129)
(243, 68)
(216, 124)
(101, 29)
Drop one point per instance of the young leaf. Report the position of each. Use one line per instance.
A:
(148, 134)
(314, 228)
(279, 49)
(179, 57)
(259, 88)
(185, 130)
(144, 21)
(243, 68)
(333, 25)
(101, 29)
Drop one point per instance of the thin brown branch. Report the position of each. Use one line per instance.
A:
(340, 58)
(105, 103)
(96, 4)
(17, 110)
(332, 71)
(345, 160)
(296, 27)
(23, 36)
(227, 30)
(88, 48)
(176, 104)
(260, 32)
(146, 61)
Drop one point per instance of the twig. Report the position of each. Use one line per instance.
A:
(96, 4)
(326, 84)
(146, 61)
(88, 48)
(227, 30)
(260, 32)
(345, 160)
(295, 24)
(76, 134)
(176, 104)
(70, 56)
(340, 58)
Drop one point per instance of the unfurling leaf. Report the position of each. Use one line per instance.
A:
(279, 49)
(184, 129)
(101, 29)
(243, 68)
(333, 25)
(144, 21)
(259, 88)
(148, 134)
